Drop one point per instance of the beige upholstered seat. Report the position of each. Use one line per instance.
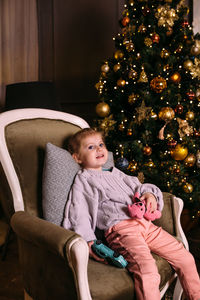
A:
(54, 261)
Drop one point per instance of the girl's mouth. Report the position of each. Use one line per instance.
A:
(100, 156)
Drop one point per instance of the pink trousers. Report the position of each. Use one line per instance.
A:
(135, 239)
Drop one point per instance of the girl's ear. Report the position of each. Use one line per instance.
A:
(76, 158)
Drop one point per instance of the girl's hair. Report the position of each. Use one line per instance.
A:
(74, 142)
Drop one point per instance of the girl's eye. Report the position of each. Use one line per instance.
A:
(101, 145)
(90, 147)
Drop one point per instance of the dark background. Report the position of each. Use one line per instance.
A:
(75, 37)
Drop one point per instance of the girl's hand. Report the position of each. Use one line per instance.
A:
(93, 255)
(150, 200)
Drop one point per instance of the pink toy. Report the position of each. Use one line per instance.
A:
(138, 210)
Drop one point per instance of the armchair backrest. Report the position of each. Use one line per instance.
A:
(24, 134)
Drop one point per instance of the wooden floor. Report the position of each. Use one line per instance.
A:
(11, 287)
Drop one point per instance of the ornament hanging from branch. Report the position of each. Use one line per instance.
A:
(158, 84)
(184, 128)
(102, 109)
(166, 114)
(133, 98)
(161, 135)
(143, 112)
(143, 77)
(195, 50)
(195, 69)
(166, 16)
(179, 152)
(107, 124)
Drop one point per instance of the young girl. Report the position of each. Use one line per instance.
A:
(99, 198)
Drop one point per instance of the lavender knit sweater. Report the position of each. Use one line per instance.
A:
(100, 199)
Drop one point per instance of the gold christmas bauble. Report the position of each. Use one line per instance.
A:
(121, 82)
(158, 84)
(176, 77)
(188, 188)
(105, 68)
(102, 109)
(195, 50)
(99, 85)
(189, 116)
(188, 64)
(148, 42)
(179, 152)
(166, 114)
(147, 150)
(116, 67)
(190, 160)
(198, 94)
(118, 54)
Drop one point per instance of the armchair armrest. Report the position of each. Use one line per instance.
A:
(170, 220)
(178, 207)
(39, 236)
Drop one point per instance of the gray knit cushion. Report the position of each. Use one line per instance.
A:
(58, 175)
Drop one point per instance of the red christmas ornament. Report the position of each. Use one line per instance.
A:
(125, 21)
(147, 150)
(196, 133)
(190, 95)
(172, 144)
(155, 38)
(185, 23)
(178, 109)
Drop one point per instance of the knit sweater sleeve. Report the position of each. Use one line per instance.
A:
(144, 188)
(153, 189)
(81, 209)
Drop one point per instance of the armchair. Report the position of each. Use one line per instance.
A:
(54, 261)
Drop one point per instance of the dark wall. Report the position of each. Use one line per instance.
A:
(74, 38)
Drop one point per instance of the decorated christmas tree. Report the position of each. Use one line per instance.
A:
(149, 93)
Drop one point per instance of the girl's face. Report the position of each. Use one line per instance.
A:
(92, 153)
